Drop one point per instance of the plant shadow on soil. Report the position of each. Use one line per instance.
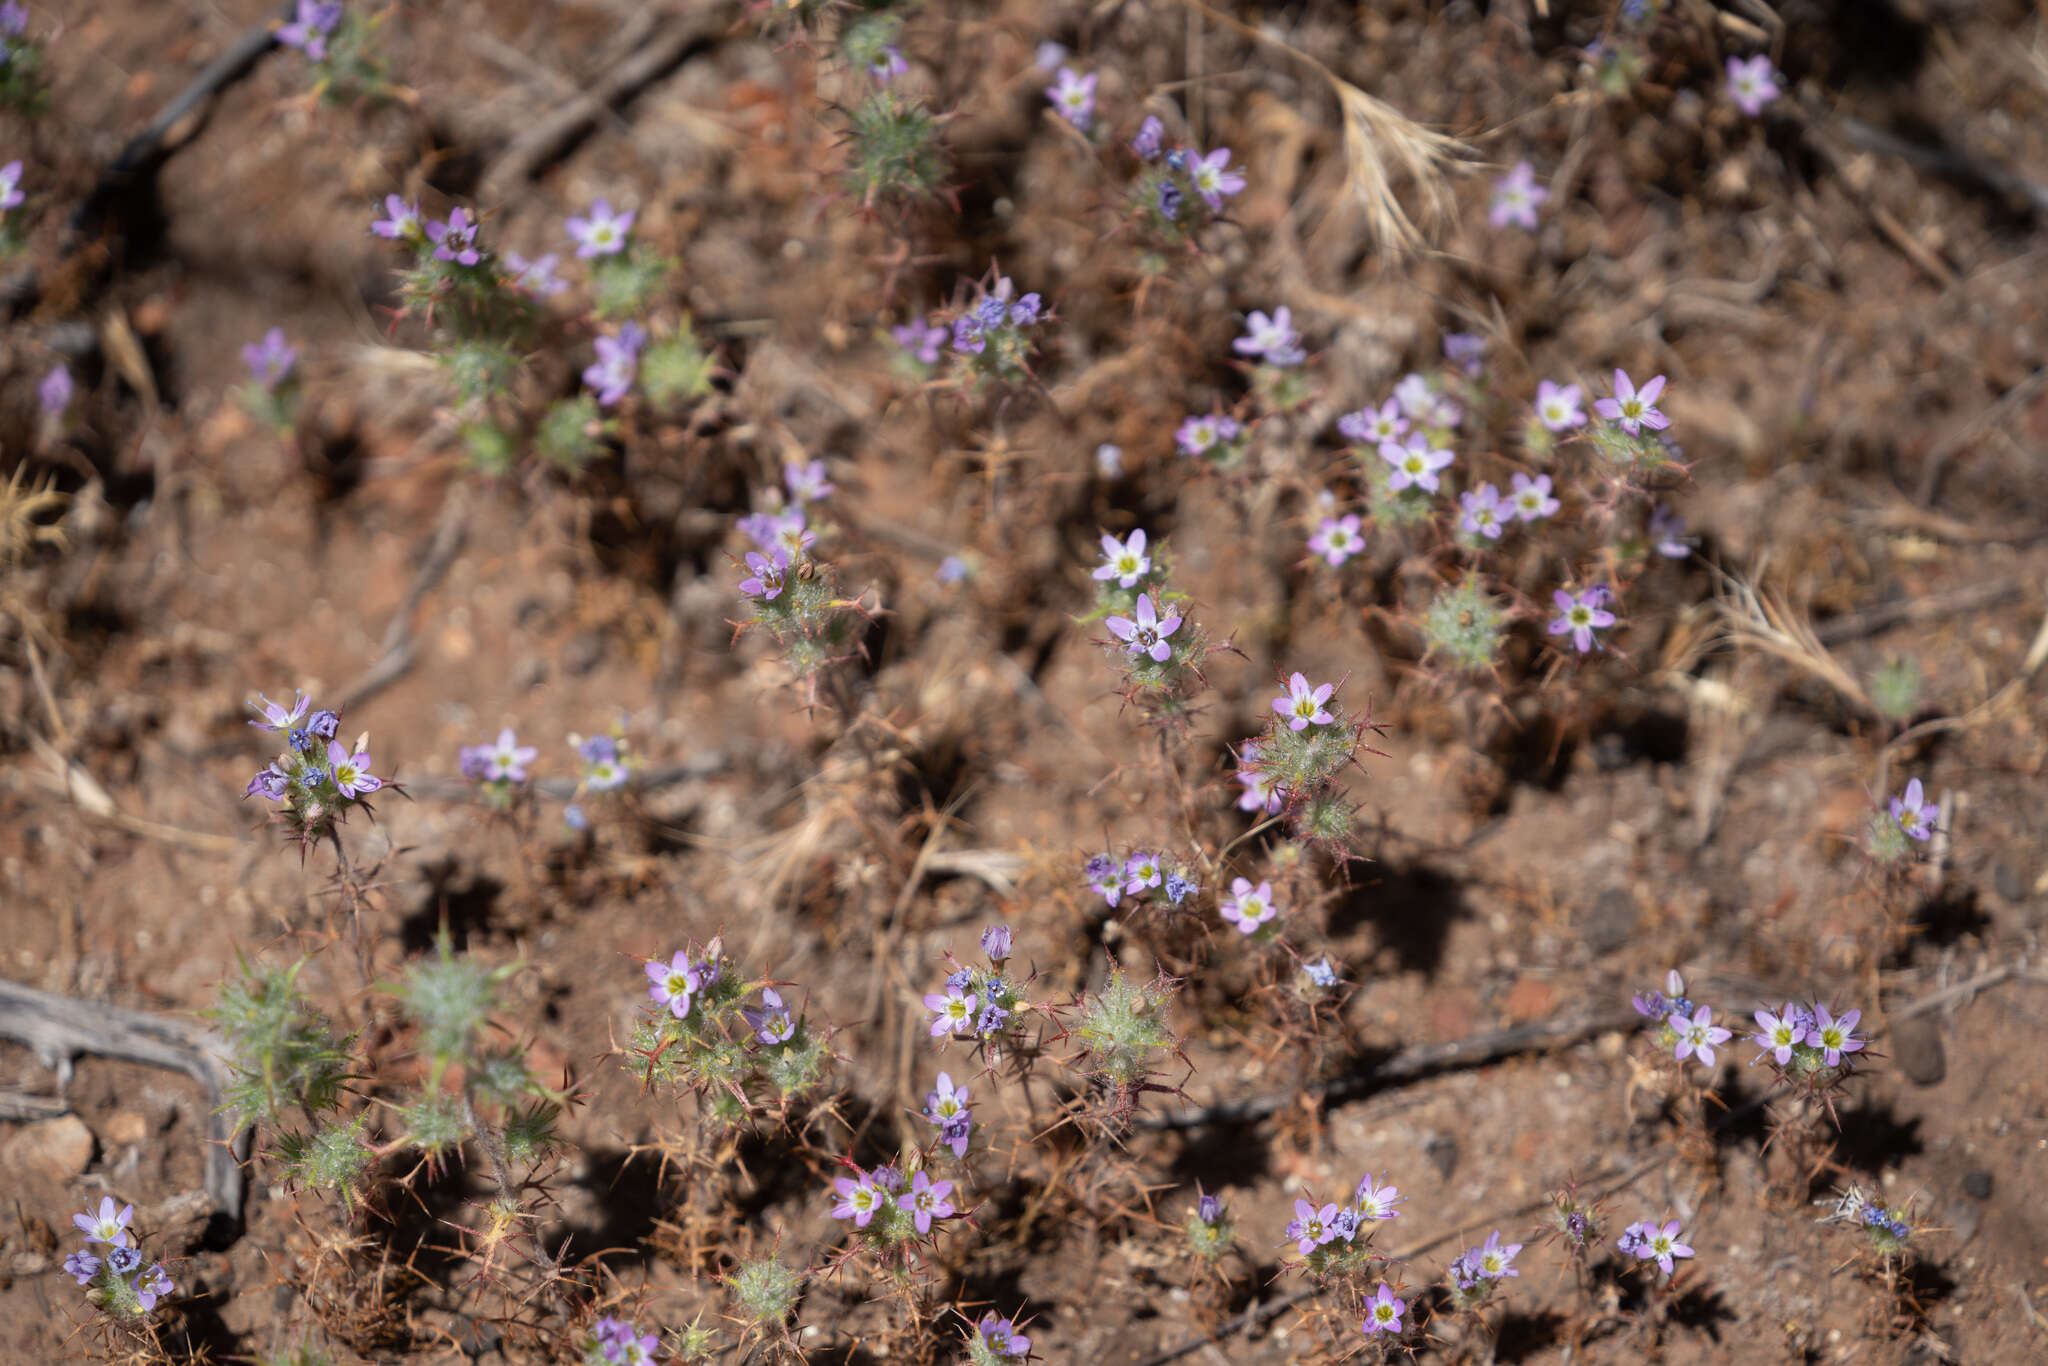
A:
(465, 907)
(1411, 908)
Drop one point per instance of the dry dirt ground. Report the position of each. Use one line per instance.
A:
(1856, 342)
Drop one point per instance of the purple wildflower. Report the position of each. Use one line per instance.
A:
(995, 942)
(123, 1259)
(82, 1265)
(617, 364)
(10, 186)
(1303, 705)
(1778, 1035)
(770, 1021)
(1494, 1261)
(1557, 405)
(270, 361)
(1202, 433)
(1832, 1036)
(323, 723)
(1531, 498)
(1633, 409)
(603, 233)
(952, 1011)
(1698, 1035)
(889, 65)
(55, 393)
(1148, 634)
(1383, 1312)
(1105, 878)
(1125, 560)
(1179, 887)
(1516, 197)
(991, 1020)
(1261, 791)
(108, 1226)
(276, 717)
(351, 771)
(1581, 614)
(273, 782)
(1914, 813)
(1415, 463)
(926, 1200)
(672, 983)
(1752, 84)
(1248, 907)
(1482, 512)
(153, 1285)
(1263, 335)
(1667, 533)
(1635, 1238)
(1416, 396)
(806, 481)
(401, 220)
(1338, 539)
(455, 240)
(1311, 1226)
(1376, 1202)
(1001, 1337)
(1141, 871)
(1320, 973)
(1660, 1245)
(1025, 311)
(1209, 1208)
(921, 339)
(1151, 136)
(1170, 199)
(537, 277)
(309, 28)
(1467, 351)
(1073, 97)
(766, 575)
(1213, 179)
(1370, 426)
(13, 19)
(859, 1200)
(507, 759)
(1049, 55)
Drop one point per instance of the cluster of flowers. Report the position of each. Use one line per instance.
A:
(1888, 1229)
(615, 1342)
(791, 593)
(315, 781)
(117, 1280)
(1806, 1043)
(1181, 189)
(1138, 876)
(1328, 1236)
(989, 336)
(1154, 644)
(946, 1107)
(978, 1004)
(700, 1033)
(1475, 1272)
(888, 1212)
(272, 394)
(1292, 769)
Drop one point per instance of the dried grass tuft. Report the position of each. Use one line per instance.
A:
(1383, 150)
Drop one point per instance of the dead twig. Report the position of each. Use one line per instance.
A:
(57, 1029)
(1417, 1060)
(1969, 986)
(551, 136)
(400, 649)
(1936, 607)
(67, 780)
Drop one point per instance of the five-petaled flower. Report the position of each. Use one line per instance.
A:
(455, 240)
(1557, 405)
(1141, 871)
(153, 1284)
(1248, 907)
(1148, 633)
(1660, 1245)
(859, 1200)
(1001, 1337)
(1778, 1034)
(1302, 705)
(351, 771)
(1374, 426)
(276, 717)
(1494, 1261)
(617, 364)
(1482, 511)
(270, 361)
(1338, 538)
(1698, 1035)
(1531, 497)
(1073, 97)
(1376, 1202)
(765, 574)
(1580, 614)
(1832, 1036)
(1213, 179)
(1125, 560)
(109, 1225)
(926, 1200)
(1752, 84)
(308, 30)
(1516, 197)
(1273, 338)
(603, 233)
(672, 983)
(1415, 463)
(10, 186)
(400, 220)
(1311, 1226)
(1633, 409)
(952, 1011)
(1914, 813)
(1383, 1311)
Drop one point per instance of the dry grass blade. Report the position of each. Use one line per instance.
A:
(1757, 618)
(1382, 148)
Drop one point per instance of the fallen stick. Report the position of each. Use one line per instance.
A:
(59, 1028)
(401, 651)
(1418, 1060)
(551, 137)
